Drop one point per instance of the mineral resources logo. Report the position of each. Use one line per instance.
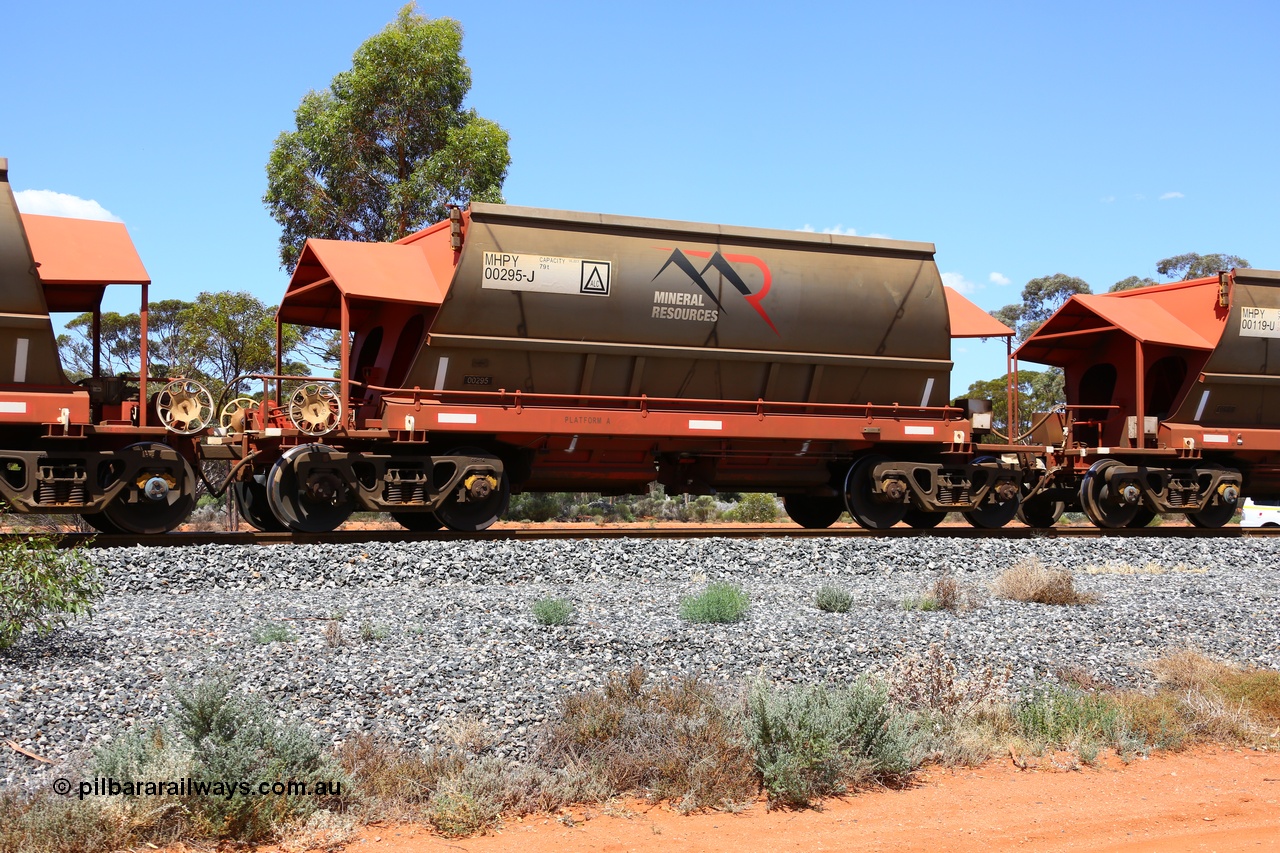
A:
(721, 263)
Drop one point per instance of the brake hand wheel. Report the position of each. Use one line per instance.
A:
(237, 416)
(315, 409)
(185, 406)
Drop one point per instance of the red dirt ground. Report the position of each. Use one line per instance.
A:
(1212, 799)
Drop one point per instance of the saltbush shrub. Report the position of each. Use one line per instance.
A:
(720, 602)
(833, 599)
(232, 737)
(42, 586)
(273, 632)
(553, 611)
(812, 741)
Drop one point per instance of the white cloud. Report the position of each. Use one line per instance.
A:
(958, 282)
(50, 203)
(1108, 199)
(999, 278)
(1168, 196)
(839, 229)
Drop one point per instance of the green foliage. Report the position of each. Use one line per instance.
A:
(231, 737)
(585, 506)
(703, 509)
(213, 339)
(370, 632)
(1070, 719)
(833, 599)
(459, 813)
(41, 586)
(924, 602)
(1040, 298)
(216, 737)
(273, 632)
(46, 823)
(1038, 391)
(384, 150)
(1191, 265)
(121, 344)
(553, 611)
(538, 507)
(719, 603)
(754, 508)
(1131, 283)
(811, 742)
(232, 333)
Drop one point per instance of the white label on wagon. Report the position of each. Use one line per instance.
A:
(545, 274)
(455, 418)
(706, 425)
(1259, 322)
(1215, 439)
(12, 407)
(919, 430)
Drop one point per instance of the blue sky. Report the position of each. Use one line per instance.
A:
(1023, 139)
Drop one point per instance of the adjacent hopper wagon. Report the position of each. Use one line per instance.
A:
(1173, 402)
(518, 348)
(104, 447)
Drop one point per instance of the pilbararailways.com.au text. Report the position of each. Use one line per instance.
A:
(227, 789)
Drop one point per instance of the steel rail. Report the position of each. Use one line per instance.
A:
(355, 537)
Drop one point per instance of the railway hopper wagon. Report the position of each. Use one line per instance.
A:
(116, 449)
(1173, 402)
(511, 348)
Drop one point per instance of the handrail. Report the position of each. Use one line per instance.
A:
(522, 399)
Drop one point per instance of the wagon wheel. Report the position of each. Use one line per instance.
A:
(1142, 517)
(236, 416)
(315, 408)
(252, 504)
(992, 514)
(418, 522)
(317, 506)
(1214, 515)
(478, 501)
(184, 406)
(1104, 508)
(1041, 513)
(99, 522)
(157, 501)
(922, 519)
(813, 512)
(860, 499)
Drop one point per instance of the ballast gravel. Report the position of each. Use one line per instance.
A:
(436, 633)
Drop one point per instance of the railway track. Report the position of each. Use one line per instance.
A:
(183, 539)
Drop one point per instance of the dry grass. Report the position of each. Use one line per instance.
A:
(333, 634)
(667, 740)
(931, 682)
(1080, 677)
(1187, 669)
(946, 593)
(1031, 581)
(1224, 702)
(1146, 569)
